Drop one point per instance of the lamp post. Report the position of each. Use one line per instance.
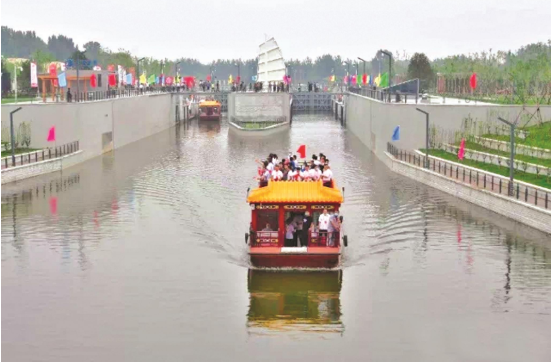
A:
(512, 155)
(426, 137)
(363, 60)
(389, 67)
(12, 136)
(138, 74)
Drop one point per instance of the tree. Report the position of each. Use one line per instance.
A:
(42, 59)
(6, 78)
(92, 50)
(419, 67)
(24, 77)
(83, 61)
(61, 46)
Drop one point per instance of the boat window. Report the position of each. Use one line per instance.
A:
(209, 111)
(267, 220)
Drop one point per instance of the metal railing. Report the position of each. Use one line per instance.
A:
(315, 238)
(476, 178)
(385, 95)
(40, 155)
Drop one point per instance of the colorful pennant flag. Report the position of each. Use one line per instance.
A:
(230, 79)
(384, 81)
(128, 78)
(93, 81)
(473, 81)
(377, 80)
(51, 134)
(461, 153)
(142, 79)
(62, 80)
(151, 79)
(396, 134)
(112, 79)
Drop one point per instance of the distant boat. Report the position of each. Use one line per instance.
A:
(271, 66)
(209, 110)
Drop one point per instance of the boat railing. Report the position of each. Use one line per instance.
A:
(265, 238)
(324, 239)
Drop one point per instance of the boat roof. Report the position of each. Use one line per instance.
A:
(209, 103)
(295, 192)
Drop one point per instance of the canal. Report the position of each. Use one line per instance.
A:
(140, 255)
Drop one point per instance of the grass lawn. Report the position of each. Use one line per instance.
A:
(539, 136)
(257, 125)
(19, 99)
(541, 180)
(477, 147)
(18, 151)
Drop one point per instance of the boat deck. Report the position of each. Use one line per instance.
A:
(312, 250)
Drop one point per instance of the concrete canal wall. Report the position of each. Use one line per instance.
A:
(373, 122)
(99, 126)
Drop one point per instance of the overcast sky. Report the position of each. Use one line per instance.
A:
(212, 29)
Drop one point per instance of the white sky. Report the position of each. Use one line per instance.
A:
(212, 29)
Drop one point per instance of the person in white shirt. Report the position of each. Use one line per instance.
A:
(305, 175)
(277, 175)
(292, 175)
(313, 173)
(327, 175)
(323, 222)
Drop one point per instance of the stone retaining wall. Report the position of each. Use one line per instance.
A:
(16, 173)
(515, 209)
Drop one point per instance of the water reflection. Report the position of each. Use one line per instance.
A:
(210, 128)
(294, 302)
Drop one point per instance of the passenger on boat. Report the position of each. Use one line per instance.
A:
(298, 224)
(277, 175)
(307, 227)
(292, 175)
(333, 228)
(289, 230)
(324, 224)
(305, 174)
(327, 176)
(268, 227)
(314, 173)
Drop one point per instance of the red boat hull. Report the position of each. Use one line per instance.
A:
(272, 257)
(213, 117)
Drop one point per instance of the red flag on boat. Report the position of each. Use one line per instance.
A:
(302, 151)
(473, 81)
(461, 153)
(51, 135)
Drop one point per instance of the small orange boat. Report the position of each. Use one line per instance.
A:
(284, 208)
(209, 110)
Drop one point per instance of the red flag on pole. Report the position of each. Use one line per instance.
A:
(112, 80)
(473, 81)
(302, 151)
(51, 135)
(461, 153)
(93, 81)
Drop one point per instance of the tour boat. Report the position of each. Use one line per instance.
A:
(279, 201)
(209, 110)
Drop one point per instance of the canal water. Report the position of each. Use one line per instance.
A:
(139, 255)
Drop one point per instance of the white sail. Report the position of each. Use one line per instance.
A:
(271, 66)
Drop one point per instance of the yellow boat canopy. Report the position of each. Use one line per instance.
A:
(209, 104)
(295, 192)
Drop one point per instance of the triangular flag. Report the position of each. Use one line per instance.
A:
(51, 135)
(396, 134)
(461, 153)
(53, 205)
(302, 151)
(384, 81)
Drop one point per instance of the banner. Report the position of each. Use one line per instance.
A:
(62, 80)
(121, 75)
(52, 69)
(129, 78)
(142, 79)
(151, 79)
(168, 80)
(34, 77)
